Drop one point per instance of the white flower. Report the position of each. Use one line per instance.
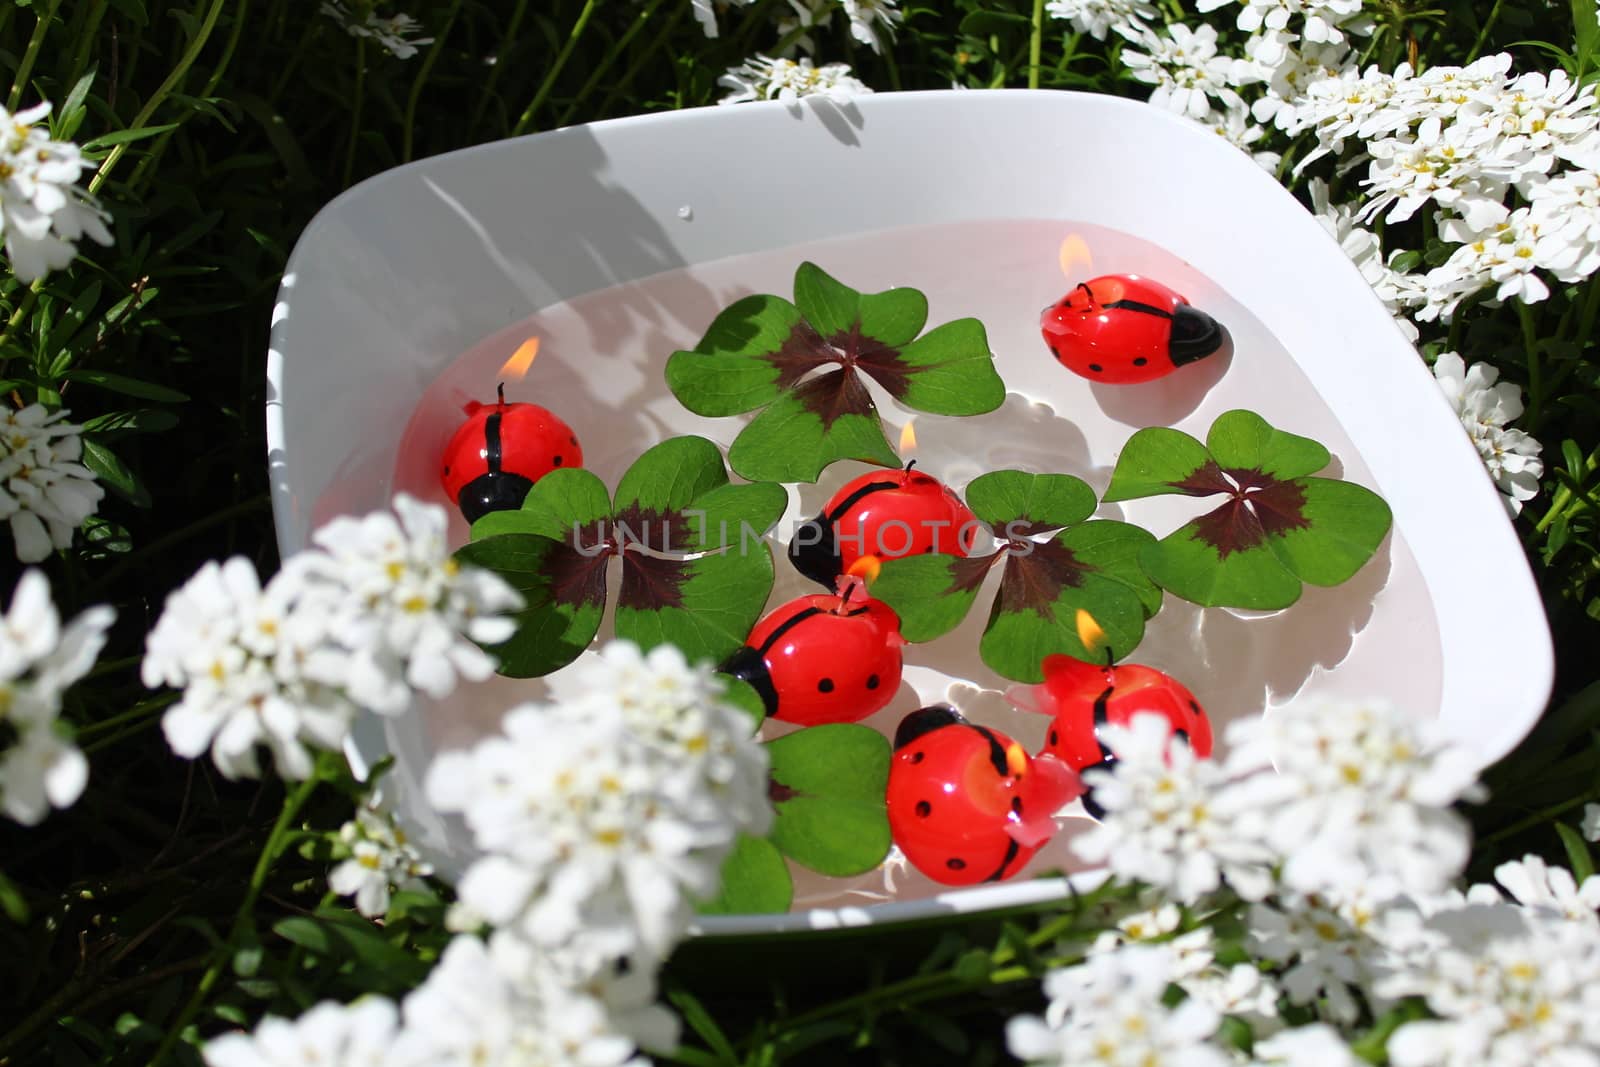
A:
(1316, 1045)
(764, 78)
(1446, 165)
(1233, 125)
(1330, 945)
(1534, 884)
(1508, 985)
(255, 667)
(1484, 407)
(1099, 17)
(1503, 254)
(867, 15)
(705, 12)
(39, 660)
(1162, 824)
(1287, 67)
(1359, 790)
(381, 859)
(606, 814)
(42, 211)
(393, 34)
(470, 1012)
(1108, 1010)
(1184, 67)
(329, 1035)
(407, 615)
(1566, 211)
(1320, 23)
(45, 491)
(1590, 826)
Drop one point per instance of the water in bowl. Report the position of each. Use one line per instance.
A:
(600, 366)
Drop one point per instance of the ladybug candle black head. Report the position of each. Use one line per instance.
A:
(500, 451)
(887, 514)
(966, 803)
(823, 658)
(1125, 328)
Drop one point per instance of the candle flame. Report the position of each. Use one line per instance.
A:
(908, 438)
(1075, 254)
(867, 567)
(521, 359)
(1016, 759)
(1089, 631)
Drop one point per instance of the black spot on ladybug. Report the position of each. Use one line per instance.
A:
(924, 809)
(825, 686)
(1140, 361)
(956, 863)
(931, 549)
(1194, 705)
(916, 757)
(872, 681)
(558, 461)
(1096, 367)
(1055, 738)
(1016, 805)
(573, 438)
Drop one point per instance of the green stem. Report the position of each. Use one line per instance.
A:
(91, 26)
(25, 68)
(143, 710)
(147, 165)
(1036, 44)
(555, 68)
(244, 916)
(508, 40)
(1564, 494)
(409, 136)
(1541, 816)
(650, 50)
(610, 57)
(157, 98)
(1530, 340)
(1483, 34)
(355, 111)
(313, 25)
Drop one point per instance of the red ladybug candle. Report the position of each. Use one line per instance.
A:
(886, 514)
(494, 457)
(823, 658)
(1125, 328)
(1081, 698)
(966, 803)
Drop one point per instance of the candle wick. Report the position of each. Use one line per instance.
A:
(909, 464)
(500, 391)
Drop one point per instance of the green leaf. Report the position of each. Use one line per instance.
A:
(931, 594)
(114, 473)
(1579, 857)
(1185, 563)
(145, 420)
(669, 477)
(948, 371)
(1243, 439)
(140, 133)
(828, 789)
(755, 881)
(836, 311)
(742, 695)
(565, 595)
(564, 499)
(705, 606)
(1041, 501)
(353, 939)
(1036, 613)
(1155, 461)
(1345, 525)
(1586, 37)
(121, 383)
(733, 517)
(726, 373)
(789, 443)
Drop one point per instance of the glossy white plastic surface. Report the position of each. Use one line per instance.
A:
(398, 277)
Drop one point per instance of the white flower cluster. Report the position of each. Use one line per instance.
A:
(764, 78)
(394, 33)
(376, 610)
(870, 21)
(45, 491)
(1328, 795)
(1485, 405)
(607, 812)
(42, 211)
(39, 660)
(381, 860)
(477, 1007)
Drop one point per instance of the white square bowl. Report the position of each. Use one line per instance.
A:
(393, 281)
